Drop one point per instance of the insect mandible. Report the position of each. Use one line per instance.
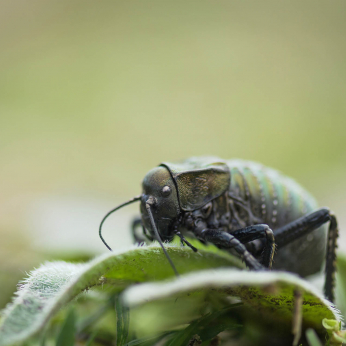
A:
(242, 206)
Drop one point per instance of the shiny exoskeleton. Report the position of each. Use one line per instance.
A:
(241, 206)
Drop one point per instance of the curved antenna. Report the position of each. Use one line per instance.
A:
(134, 199)
(148, 203)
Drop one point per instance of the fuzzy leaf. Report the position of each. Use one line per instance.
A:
(267, 296)
(51, 286)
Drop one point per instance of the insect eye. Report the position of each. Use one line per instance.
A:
(166, 191)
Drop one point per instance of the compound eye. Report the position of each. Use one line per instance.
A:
(166, 191)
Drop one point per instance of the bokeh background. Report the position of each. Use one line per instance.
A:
(93, 94)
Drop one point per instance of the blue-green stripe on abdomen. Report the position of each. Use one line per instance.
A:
(304, 255)
(284, 199)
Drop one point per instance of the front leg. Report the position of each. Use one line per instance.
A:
(135, 224)
(228, 241)
(261, 231)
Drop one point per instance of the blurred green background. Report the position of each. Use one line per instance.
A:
(93, 94)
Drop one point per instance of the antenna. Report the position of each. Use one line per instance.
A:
(134, 199)
(150, 202)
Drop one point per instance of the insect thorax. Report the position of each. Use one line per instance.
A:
(257, 194)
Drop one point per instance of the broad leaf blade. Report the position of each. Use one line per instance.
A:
(267, 296)
(51, 286)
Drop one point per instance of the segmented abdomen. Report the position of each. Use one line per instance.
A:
(276, 200)
(273, 198)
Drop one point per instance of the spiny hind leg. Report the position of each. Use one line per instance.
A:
(308, 224)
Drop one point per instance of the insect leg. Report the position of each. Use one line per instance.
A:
(184, 241)
(227, 240)
(307, 224)
(135, 223)
(260, 231)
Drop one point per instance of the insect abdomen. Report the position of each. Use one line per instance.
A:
(277, 200)
(273, 198)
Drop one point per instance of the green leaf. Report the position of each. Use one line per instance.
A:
(332, 325)
(336, 335)
(341, 282)
(51, 286)
(66, 335)
(94, 317)
(338, 338)
(312, 338)
(91, 339)
(148, 341)
(205, 328)
(268, 298)
(122, 322)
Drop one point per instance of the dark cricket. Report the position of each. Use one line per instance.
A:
(266, 218)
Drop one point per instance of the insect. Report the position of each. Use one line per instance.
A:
(243, 207)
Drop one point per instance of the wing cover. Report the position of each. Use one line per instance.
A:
(199, 180)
